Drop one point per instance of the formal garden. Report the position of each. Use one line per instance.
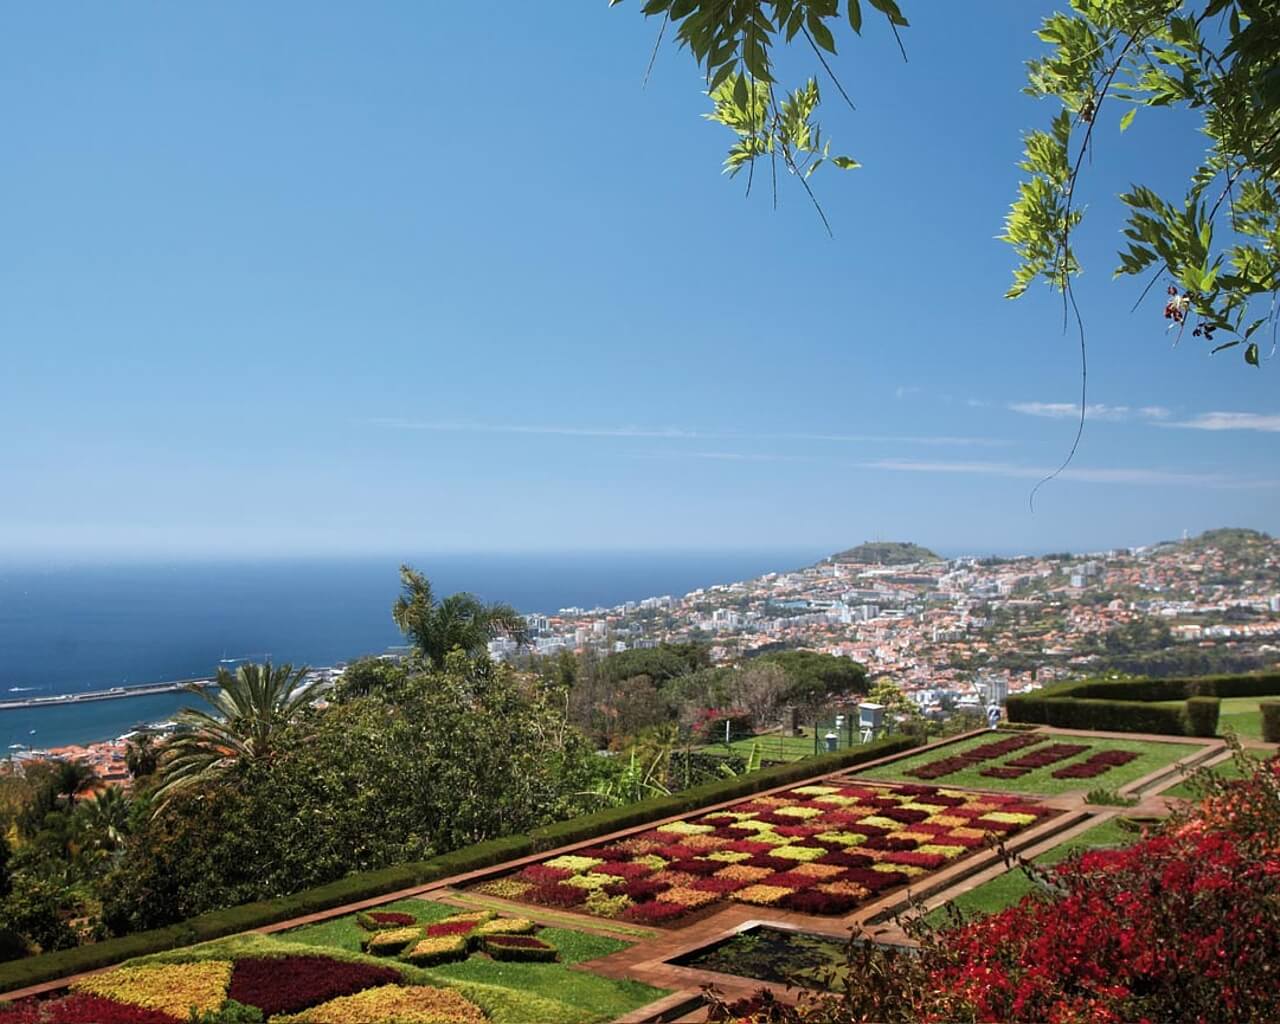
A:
(818, 849)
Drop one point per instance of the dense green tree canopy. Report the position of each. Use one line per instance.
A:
(459, 622)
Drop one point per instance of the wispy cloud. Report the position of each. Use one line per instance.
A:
(1131, 476)
(903, 390)
(674, 433)
(1268, 423)
(1070, 410)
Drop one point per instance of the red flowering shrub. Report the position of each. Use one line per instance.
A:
(287, 984)
(82, 1008)
(677, 852)
(791, 880)
(556, 894)
(645, 888)
(1048, 755)
(891, 842)
(812, 901)
(1002, 771)
(696, 866)
(763, 860)
(434, 931)
(720, 885)
(1103, 761)
(919, 860)
(847, 860)
(377, 920)
(622, 869)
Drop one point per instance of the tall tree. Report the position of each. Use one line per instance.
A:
(459, 622)
(247, 712)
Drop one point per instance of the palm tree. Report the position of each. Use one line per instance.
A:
(104, 821)
(73, 779)
(247, 712)
(459, 621)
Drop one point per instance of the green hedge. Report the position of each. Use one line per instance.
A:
(369, 884)
(1270, 720)
(1128, 705)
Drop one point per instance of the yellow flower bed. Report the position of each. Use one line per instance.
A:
(505, 926)
(743, 873)
(392, 1004)
(590, 881)
(940, 848)
(799, 852)
(391, 941)
(843, 838)
(691, 898)
(948, 820)
(763, 895)
(605, 905)
(651, 860)
(836, 801)
(804, 813)
(770, 839)
(818, 870)
(505, 888)
(879, 822)
(729, 856)
(168, 988)
(1010, 818)
(844, 889)
(436, 948)
(686, 828)
(569, 862)
(816, 790)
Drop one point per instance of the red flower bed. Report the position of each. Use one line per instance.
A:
(291, 983)
(450, 928)
(81, 1008)
(645, 888)
(556, 894)
(891, 842)
(391, 919)
(916, 859)
(1101, 762)
(876, 881)
(1002, 771)
(1049, 755)
(622, 869)
(695, 866)
(603, 853)
(792, 880)
(842, 859)
(811, 901)
(763, 860)
(677, 852)
(970, 758)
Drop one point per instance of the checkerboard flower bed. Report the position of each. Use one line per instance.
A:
(171, 989)
(815, 849)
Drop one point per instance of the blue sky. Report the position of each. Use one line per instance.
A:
(299, 278)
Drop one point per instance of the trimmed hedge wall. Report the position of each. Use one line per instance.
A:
(1270, 720)
(369, 884)
(1129, 705)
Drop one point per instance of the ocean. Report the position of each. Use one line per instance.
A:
(65, 629)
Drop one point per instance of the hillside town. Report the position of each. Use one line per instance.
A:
(970, 631)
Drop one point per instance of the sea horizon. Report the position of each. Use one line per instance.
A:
(74, 627)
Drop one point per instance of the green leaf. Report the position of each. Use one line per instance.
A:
(740, 91)
(845, 163)
(1251, 354)
(1127, 119)
(821, 34)
(855, 16)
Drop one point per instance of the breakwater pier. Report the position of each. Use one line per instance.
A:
(114, 693)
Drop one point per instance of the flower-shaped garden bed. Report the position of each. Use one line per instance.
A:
(819, 849)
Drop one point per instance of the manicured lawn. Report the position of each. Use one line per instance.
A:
(1039, 780)
(344, 933)
(772, 748)
(1005, 890)
(510, 992)
(1238, 713)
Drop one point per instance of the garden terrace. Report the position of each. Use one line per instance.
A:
(818, 849)
(1053, 763)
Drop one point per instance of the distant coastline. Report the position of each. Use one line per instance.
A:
(73, 629)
